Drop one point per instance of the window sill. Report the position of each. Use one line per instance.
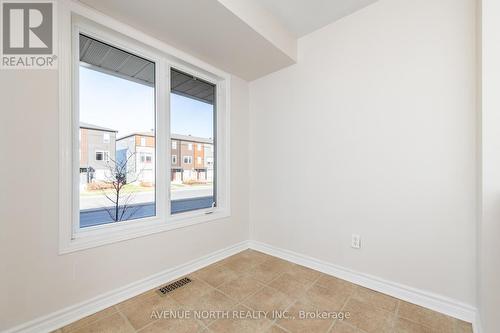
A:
(108, 234)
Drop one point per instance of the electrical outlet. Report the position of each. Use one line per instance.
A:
(356, 241)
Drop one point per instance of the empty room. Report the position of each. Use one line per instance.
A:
(275, 166)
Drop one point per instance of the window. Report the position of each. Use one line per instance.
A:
(119, 190)
(116, 134)
(193, 114)
(101, 156)
(146, 158)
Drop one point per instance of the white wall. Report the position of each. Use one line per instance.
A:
(373, 132)
(489, 226)
(34, 279)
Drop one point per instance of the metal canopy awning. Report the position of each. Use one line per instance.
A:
(107, 59)
(189, 86)
(110, 60)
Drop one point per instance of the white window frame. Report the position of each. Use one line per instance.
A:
(174, 159)
(190, 146)
(99, 152)
(199, 146)
(75, 18)
(106, 138)
(105, 155)
(174, 144)
(145, 155)
(189, 158)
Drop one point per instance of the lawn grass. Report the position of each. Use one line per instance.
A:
(129, 188)
(132, 188)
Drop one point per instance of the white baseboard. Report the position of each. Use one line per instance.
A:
(477, 327)
(75, 312)
(426, 299)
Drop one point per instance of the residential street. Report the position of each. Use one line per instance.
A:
(99, 200)
(183, 199)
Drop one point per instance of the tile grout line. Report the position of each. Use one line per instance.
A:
(126, 319)
(240, 302)
(205, 326)
(281, 327)
(396, 314)
(267, 285)
(342, 308)
(91, 322)
(275, 320)
(426, 325)
(295, 300)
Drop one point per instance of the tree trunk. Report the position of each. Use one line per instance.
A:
(117, 206)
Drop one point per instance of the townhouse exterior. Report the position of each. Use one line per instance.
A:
(192, 158)
(97, 149)
(138, 151)
(189, 156)
(209, 161)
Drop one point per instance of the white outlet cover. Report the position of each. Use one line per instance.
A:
(356, 241)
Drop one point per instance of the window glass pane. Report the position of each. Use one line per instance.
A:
(192, 121)
(117, 127)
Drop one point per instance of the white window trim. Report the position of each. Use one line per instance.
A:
(99, 152)
(105, 155)
(145, 155)
(101, 26)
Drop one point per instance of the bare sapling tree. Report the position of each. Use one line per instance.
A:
(116, 176)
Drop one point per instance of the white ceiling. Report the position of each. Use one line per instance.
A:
(248, 38)
(302, 17)
(205, 29)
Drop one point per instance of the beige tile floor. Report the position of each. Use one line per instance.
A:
(251, 281)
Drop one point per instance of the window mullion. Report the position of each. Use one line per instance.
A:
(164, 80)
